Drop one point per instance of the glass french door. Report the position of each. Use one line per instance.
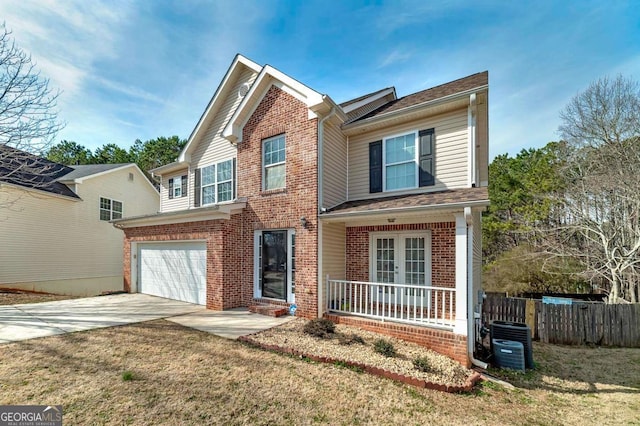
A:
(275, 265)
(401, 259)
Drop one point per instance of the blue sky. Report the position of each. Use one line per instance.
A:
(141, 69)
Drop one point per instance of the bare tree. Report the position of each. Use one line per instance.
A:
(28, 117)
(598, 220)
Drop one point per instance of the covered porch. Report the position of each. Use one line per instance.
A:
(412, 260)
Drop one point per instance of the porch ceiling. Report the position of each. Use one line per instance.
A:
(411, 204)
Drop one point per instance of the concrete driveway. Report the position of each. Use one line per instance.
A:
(29, 321)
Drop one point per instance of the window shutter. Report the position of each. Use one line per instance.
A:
(234, 179)
(427, 138)
(196, 189)
(184, 192)
(171, 188)
(375, 166)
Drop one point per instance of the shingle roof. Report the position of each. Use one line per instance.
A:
(451, 196)
(359, 98)
(30, 171)
(456, 86)
(81, 171)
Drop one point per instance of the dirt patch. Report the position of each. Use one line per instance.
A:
(341, 346)
(161, 373)
(18, 297)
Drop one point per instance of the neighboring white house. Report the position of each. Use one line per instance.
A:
(55, 234)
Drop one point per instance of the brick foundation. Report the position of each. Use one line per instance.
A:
(444, 342)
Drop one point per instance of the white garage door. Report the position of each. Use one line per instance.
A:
(174, 270)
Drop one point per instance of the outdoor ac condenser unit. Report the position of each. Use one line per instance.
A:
(516, 332)
(508, 354)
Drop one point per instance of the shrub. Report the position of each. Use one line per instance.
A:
(422, 364)
(320, 327)
(384, 347)
(127, 376)
(349, 339)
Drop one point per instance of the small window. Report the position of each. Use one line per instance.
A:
(273, 160)
(110, 209)
(177, 188)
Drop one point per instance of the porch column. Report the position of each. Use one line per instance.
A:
(460, 326)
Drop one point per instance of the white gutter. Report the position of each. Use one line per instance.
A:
(471, 329)
(471, 134)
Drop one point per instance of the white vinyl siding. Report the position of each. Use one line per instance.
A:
(173, 204)
(47, 239)
(333, 251)
(334, 186)
(451, 146)
(212, 147)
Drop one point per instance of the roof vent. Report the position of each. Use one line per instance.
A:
(243, 90)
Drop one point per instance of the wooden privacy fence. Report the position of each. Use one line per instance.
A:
(576, 324)
(590, 323)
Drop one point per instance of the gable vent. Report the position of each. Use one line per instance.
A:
(243, 90)
(130, 177)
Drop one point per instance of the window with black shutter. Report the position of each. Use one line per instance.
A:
(426, 159)
(375, 166)
(196, 189)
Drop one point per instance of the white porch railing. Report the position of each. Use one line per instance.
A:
(413, 304)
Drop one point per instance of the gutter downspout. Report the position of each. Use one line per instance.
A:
(472, 113)
(320, 202)
(471, 320)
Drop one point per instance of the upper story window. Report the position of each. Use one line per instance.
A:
(178, 187)
(400, 170)
(215, 183)
(403, 161)
(273, 163)
(110, 209)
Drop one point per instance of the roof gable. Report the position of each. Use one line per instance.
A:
(239, 62)
(268, 77)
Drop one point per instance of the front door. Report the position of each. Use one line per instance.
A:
(275, 265)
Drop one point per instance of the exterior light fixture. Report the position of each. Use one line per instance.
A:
(303, 222)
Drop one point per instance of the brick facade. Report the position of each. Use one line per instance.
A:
(225, 289)
(280, 113)
(443, 250)
(230, 243)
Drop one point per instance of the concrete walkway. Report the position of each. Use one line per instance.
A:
(29, 321)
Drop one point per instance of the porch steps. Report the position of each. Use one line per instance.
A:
(269, 310)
